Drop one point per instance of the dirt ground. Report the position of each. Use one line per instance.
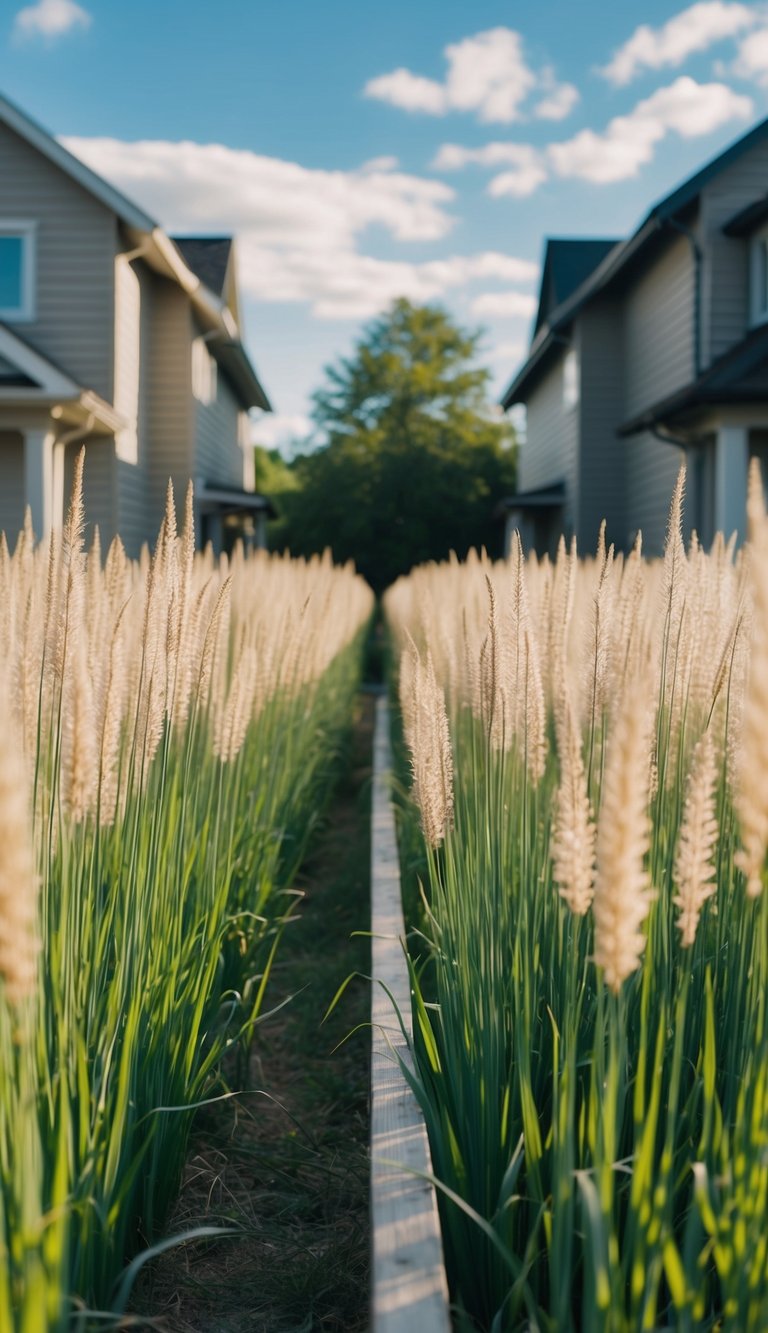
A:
(289, 1170)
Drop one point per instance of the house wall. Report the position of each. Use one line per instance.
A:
(11, 484)
(602, 453)
(76, 243)
(550, 453)
(218, 456)
(651, 472)
(658, 328)
(725, 269)
(169, 403)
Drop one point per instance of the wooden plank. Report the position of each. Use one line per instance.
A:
(409, 1285)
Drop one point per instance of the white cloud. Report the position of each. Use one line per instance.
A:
(526, 173)
(558, 103)
(386, 163)
(752, 59)
(507, 353)
(50, 18)
(504, 305)
(275, 430)
(628, 142)
(299, 230)
(559, 98)
(487, 74)
(693, 30)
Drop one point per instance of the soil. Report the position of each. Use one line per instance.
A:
(285, 1163)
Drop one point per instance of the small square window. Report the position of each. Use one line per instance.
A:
(16, 270)
(571, 378)
(204, 376)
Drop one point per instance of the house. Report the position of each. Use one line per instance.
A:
(645, 353)
(119, 337)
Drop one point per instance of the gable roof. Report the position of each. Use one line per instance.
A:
(28, 378)
(34, 134)
(156, 247)
(668, 212)
(208, 257)
(568, 262)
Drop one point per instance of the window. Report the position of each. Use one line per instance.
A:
(759, 278)
(571, 378)
(204, 376)
(17, 271)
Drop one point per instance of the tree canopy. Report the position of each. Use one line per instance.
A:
(414, 462)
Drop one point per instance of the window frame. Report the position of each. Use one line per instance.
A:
(571, 379)
(26, 231)
(204, 373)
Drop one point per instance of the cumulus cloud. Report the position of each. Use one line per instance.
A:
(557, 104)
(274, 430)
(299, 230)
(752, 59)
(504, 305)
(50, 18)
(628, 142)
(559, 98)
(526, 166)
(487, 74)
(693, 30)
(507, 353)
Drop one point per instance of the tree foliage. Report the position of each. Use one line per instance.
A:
(414, 462)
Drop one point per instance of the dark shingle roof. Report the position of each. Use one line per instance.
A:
(567, 263)
(207, 256)
(669, 210)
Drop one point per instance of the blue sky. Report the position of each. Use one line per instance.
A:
(363, 151)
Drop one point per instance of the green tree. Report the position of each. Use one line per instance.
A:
(414, 462)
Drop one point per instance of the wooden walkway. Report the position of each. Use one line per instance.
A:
(409, 1291)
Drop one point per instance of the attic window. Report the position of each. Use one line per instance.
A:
(571, 378)
(17, 270)
(204, 373)
(759, 278)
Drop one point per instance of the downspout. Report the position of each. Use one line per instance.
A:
(697, 256)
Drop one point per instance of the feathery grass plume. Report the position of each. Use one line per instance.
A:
(573, 836)
(19, 944)
(492, 677)
(694, 864)
(752, 792)
(231, 725)
(79, 758)
(431, 758)
(622, 885)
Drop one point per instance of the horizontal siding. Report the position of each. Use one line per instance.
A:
(550, 452)
(651, 472)
(76, 244)
(602, 452)
(11, 484)
(218, 456)
(169, 398)
(725, 277)
(658, 329)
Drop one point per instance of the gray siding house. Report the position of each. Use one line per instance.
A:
(116, 336)
(646, 353)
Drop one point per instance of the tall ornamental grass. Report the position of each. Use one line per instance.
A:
(169, 728)
(589, 743)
